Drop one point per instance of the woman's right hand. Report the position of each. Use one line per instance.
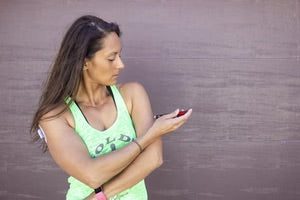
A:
(169, 122)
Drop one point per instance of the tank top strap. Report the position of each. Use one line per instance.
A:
(79, 118)
(120, 103)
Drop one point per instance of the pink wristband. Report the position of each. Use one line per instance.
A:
(100, 196)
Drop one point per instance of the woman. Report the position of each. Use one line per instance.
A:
(100, 133)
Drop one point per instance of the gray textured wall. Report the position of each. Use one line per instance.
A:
(235, 62)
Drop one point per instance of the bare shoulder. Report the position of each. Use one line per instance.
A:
(131, 88)
(59, 113)
(132, 92)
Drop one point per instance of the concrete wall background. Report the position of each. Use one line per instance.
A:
(235, 62)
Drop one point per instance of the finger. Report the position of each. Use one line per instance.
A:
(189, 113)
(179, 121)
(172, 114)
(183, 117)
(179, 124)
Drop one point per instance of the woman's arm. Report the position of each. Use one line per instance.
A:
(142, 117)
(70, 153)
(140, 168)
(151, 157)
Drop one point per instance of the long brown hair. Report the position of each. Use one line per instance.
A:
(82, 40)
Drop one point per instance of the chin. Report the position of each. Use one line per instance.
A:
(112, 83)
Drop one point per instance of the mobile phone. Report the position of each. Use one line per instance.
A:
(181, 112)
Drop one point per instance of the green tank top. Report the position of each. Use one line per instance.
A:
(99, 143)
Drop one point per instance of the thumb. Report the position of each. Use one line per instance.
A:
(172, 114)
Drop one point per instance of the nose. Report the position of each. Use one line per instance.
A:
(120, 64)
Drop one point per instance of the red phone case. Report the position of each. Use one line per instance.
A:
(182, 112)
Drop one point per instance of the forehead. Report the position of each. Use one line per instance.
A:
(111, 43)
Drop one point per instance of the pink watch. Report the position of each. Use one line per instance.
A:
(99, 193)
(100, 196)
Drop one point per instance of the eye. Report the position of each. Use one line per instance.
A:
(111, 60)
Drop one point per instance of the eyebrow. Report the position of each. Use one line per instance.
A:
(114, 53)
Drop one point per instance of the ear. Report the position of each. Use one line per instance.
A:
(85, 64)
(85, 67)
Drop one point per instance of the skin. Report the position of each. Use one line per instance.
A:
(124, 167)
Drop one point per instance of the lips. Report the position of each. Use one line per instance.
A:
(115, 76)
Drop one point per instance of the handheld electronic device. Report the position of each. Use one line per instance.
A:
(181, 112)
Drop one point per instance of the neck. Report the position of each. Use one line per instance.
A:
(91, 94)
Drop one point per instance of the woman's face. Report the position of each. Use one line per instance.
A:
(104, 67)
